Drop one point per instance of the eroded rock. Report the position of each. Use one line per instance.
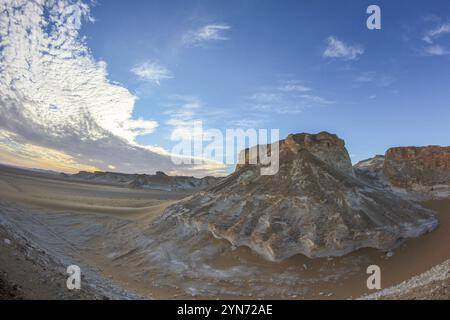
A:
(314, 205)
(406, 167)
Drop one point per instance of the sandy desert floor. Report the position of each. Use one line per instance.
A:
(49, 223)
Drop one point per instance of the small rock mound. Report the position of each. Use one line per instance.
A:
(314, 205)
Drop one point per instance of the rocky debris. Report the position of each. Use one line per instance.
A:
(158, 181)
(406, 167)
(8, 291)
(314, 205)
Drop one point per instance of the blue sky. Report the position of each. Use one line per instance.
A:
(391, 95)
(300, 66)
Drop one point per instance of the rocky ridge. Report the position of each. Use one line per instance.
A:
(158, 181)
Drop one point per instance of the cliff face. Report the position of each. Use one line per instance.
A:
(324, 146)
(314, 205)
(407, 167)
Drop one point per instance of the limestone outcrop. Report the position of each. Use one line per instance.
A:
(406, 167)
(315, 205)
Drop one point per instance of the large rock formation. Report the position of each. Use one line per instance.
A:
(406, 167)
(314, 205)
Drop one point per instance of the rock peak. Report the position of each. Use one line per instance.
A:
(325, 146)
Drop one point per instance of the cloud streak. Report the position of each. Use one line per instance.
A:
(289, 97)
(435, 50)
(206, 34)
(151, 71)
(432, 34)
(337, 49)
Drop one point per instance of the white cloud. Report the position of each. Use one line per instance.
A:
(430, 35)
(55, 98)
(247, 123)
(366, 77)
(288, 98)
(316, 99)
(375, 78)
(182, 113)
(339, 50)
(435, 50)
(264, 97)
(205, 34)
(283, 109)
(294, 88)
(151, 71)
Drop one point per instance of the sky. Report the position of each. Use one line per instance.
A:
(104, 85)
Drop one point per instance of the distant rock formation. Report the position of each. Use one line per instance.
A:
(371, 171)
(158, 181)
(417, 172)
(314, 205)
(406, 167)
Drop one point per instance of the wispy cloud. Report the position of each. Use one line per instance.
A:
(337, 49)
(294, 88)
(206, 34)
(316, 99)
(435, 50)
(366, 77)
(183, 112)
(247, 123)
(288, 97)
(432, 42)
(375, 78)
(266, 97)
(431, 35)
(151, 71)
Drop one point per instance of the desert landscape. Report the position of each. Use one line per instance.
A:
(224, 150)
(308, 232)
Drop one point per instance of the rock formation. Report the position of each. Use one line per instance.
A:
(371, 171)
(314, 205)
(419, 173)
(406, 167)
(158, 181)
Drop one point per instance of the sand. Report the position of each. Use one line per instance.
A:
(106, 230)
